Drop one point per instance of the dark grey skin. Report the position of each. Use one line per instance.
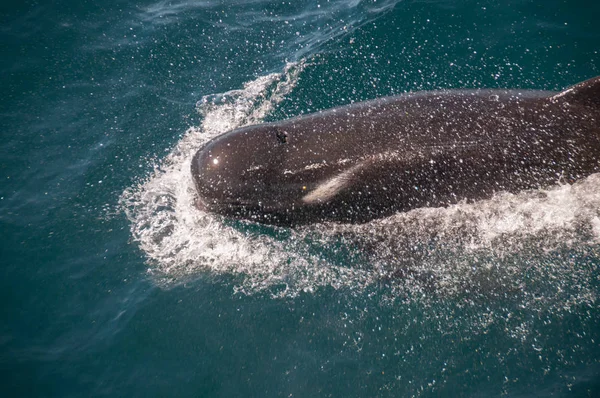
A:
(372, 159)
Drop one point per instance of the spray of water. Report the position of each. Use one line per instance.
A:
(511, 244)
(181, 241)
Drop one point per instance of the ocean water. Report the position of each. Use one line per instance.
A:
(113, 284)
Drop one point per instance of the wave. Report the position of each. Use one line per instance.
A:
(542, 243)
(301, 26)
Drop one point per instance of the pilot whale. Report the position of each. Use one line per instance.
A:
(369, 160)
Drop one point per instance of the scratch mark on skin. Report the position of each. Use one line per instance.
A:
(330, 188)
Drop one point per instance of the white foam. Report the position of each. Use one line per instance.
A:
(504, 243)
(181, 241)
(483, 246)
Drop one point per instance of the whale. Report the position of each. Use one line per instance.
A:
(372, 159)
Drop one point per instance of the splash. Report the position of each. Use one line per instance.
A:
(181, 241)
(542, 242)
(509, 244)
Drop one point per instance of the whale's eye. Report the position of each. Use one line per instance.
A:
(281, 136)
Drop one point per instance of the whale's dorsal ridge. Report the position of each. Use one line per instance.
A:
(585, 93)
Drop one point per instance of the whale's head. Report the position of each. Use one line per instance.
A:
(275, 173)
(241, 173)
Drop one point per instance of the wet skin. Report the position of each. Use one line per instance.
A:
(373, 159)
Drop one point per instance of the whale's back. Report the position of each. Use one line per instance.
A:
(371, 159)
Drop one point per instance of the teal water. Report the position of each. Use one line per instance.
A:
(112, 284)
